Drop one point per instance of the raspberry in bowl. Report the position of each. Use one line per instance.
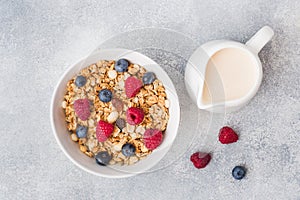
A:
(115, 113)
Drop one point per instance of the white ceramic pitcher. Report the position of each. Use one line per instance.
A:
(196, 68)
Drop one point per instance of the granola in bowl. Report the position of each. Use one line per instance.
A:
(116, 111)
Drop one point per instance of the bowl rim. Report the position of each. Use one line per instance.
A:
(55, 132)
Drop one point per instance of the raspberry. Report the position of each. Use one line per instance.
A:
(104, 130)
(152, 138)
(227, 135)
(82, 108)
(200, 159)
(132, 86)
(134, 115)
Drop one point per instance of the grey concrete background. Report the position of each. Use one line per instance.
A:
(40, 39)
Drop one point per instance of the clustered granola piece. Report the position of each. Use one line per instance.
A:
(151, 98)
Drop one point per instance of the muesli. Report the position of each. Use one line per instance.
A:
(116, 111)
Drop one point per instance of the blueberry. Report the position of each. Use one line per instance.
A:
(81, 131)
(148, 78)
(121, 65)
(120, 123)
(80, 81)
(238, 172)
(128, 150)
(105, 95)
(103, 158)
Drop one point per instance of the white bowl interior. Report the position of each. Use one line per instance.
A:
(71, 149)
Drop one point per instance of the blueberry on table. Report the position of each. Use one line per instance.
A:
(128, 150)
(80, 81)
(121, 65)
(238, 172)
(103, 158)
(148, 78)
(105, 95)
(81, 131)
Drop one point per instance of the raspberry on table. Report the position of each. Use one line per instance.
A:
(227, 135)
(200, 159)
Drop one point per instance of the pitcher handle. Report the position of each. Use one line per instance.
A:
(260, 39)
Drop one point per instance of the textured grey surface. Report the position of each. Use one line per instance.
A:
(38, 40)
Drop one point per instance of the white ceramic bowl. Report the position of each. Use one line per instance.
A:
(71, 149)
